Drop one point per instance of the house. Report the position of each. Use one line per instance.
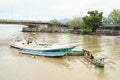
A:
(45, 27)
(58, 28)
(109, 29)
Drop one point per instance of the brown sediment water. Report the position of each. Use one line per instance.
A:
(15, 66)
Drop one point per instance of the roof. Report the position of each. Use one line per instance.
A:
(110, 25)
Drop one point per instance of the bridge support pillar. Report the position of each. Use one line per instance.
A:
(31, 28)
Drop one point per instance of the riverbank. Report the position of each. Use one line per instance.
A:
(79, 32)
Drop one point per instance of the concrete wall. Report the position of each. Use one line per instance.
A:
(32, 28)
(40, 27)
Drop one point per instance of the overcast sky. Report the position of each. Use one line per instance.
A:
(50, 9)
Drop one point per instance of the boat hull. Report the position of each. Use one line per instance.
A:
(47, 54)
(75, 53)
(95, 63)
(51, 52)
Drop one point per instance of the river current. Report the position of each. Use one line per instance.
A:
(15, 66)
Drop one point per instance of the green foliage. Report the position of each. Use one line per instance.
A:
(54, 22)
(75, 22)
(114, 16)
(92, 21)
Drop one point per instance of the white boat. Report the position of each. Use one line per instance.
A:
(34, 47)
(118, 36)
(23, 43)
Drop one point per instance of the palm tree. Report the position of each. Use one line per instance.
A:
(115, 16)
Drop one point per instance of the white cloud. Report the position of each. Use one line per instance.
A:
(49, 9)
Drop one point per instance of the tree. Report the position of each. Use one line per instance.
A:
(54, 22)
(115, 16)
(75, 22)
(92, 21)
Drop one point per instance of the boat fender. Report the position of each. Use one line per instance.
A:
(33, 56)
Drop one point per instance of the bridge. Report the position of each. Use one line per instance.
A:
(28, 23)
(34, 25)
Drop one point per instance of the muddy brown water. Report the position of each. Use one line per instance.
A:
(15, 66)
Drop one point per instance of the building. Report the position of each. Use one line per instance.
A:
(35, 28)
(46, 27)
(109, 29)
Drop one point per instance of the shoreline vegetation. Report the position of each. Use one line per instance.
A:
(92, 24)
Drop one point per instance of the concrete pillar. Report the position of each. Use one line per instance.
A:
(30, 28)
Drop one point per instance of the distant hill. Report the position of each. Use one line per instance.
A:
(64, 20)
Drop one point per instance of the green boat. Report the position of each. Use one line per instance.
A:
(75, 53)
(97, 64)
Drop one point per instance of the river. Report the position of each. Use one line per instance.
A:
(15, 66)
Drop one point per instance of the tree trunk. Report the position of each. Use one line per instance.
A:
(94, 29)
